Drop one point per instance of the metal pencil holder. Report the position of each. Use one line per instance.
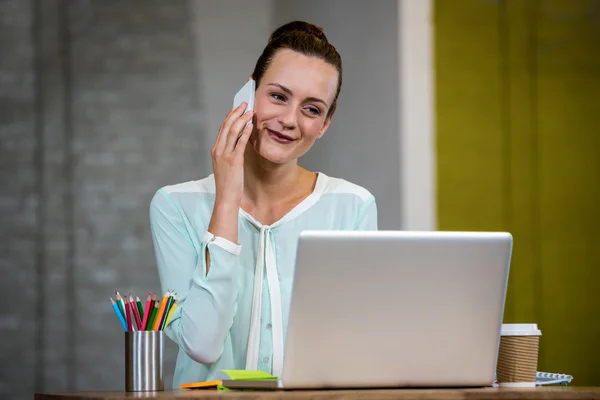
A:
(144, 361)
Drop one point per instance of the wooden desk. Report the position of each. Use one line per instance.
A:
(550, 392)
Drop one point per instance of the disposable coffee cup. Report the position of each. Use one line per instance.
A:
(518, 355)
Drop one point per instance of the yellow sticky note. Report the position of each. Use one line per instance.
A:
(247, 375)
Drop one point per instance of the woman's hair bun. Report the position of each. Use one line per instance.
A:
(299, 26)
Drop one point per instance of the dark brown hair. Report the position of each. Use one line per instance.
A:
(304, 38)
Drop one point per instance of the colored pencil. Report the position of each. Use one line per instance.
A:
(135, 313)
(153, 316)
(120, 303)
(139, 307)
(171, 311)
(128, 315)
(163, 320)
(147, 312)
(165, 312)
(119, 315)
(161, 311)
(152, 300)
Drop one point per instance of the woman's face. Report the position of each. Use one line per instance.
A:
(291, 105)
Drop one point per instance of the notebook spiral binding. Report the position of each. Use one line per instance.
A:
(547, 378)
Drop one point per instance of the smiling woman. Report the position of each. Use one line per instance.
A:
(291, 109)
(214, 238)
(299, 78)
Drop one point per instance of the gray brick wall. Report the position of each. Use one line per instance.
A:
(19, 199)
(109, 114)
(54, 352)
(135, 126)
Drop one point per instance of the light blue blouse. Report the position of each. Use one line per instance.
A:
(236, 316)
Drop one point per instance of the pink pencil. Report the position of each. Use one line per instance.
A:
(135, 312)
(147, 312)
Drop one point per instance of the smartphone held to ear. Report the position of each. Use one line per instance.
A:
(246, 94)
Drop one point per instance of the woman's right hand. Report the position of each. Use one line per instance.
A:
(228, 166)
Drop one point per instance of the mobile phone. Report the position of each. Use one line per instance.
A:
(246, 94)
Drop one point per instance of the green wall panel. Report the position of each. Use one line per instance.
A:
(518, 99)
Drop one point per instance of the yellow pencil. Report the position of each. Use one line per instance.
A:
(170, 314)
(161, 310)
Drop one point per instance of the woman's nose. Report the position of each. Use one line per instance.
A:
(288, 118)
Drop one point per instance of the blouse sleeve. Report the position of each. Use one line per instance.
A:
(207, 302)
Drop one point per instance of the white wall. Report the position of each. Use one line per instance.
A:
(417, 115)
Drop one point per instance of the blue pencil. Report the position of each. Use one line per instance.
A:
(118, 312)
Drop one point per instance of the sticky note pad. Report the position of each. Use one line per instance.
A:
(247, 375)
(233, 374)
(201, 385)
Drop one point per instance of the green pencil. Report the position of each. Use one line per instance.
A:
(153, 316)
(140, 308)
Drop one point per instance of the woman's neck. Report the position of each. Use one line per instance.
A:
(272, 190)
(268, 183)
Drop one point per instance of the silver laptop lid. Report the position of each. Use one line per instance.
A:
(396, 308)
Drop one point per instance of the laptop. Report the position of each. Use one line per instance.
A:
(382, 309)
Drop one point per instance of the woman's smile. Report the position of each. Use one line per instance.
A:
(280, 137)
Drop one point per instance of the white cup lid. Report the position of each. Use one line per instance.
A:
(520, 330)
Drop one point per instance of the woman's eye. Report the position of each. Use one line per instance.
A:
(277, 97)
(314, 110)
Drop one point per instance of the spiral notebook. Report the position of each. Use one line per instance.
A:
(547, 378)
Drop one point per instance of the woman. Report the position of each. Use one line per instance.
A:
(227, 243)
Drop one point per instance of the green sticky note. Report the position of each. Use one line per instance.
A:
(247, 375)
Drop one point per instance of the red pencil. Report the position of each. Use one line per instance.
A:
(147, 312)
(128, 314)
(152, 301)
(135, 312)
